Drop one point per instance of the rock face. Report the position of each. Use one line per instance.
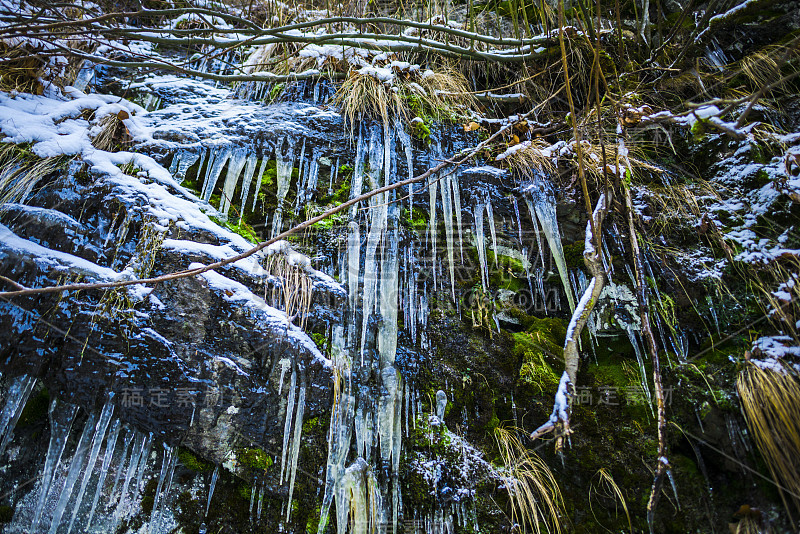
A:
(194, 361)
(367, 368)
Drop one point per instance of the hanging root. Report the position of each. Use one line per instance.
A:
(770, 400)
(662, 467)
(533, 492)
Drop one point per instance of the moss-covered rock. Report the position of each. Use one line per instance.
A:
(191, 461)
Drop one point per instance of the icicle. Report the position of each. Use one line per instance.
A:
(298, 431)
(441, 404)
(637, 348)
(259, 178)
(358, 173)
(340, 434)
(387, 332)
(389, 414)
(490, 216)
(148, 444)
(187, 161)
(261, 500)
(535, 224)
(313, 176)
(176, 159)
(541, 199)
(432, 228)
(133, 464)
(447, 215)
(353, 259)
(405, 140)
(412, 306)
(305, 191)
(162, 490)
(457, 208)
(284, 166)
(61, 417)
(253, 487)
(75, 467)
(214, 477)
(379, 212)
(287, 426)
(235, 166)
(129, 436)
(181, 163)
(16, 397)
(214, 169)
(301, 179)
(111, 443)
(97, 441)
(480, 243)
(332, 177)
(247, 180)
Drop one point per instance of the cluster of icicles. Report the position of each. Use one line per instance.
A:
(97, 483)
(362, 478)
(364, 485)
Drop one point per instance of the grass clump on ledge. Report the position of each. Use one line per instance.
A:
(402, 91)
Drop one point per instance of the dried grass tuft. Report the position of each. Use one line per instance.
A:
(294, 289)
(770, 401)
(606, 488)
(21, 172)
(22, 68)
(113, 134)
(533, 492)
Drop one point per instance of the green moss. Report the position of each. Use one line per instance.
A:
(192, 462)
(313, 521)
(573, 254)
(504, 273)
(310, 425)
(342, 192)
(6, 513)
(35, 409)
(416, 219)
(330, 222)
(698, 130)
(493, 423)
(245, 491)
(241, 228)
(538, 375)
(422, 131)
(321, 340)
(148, 495)
(254, 458)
